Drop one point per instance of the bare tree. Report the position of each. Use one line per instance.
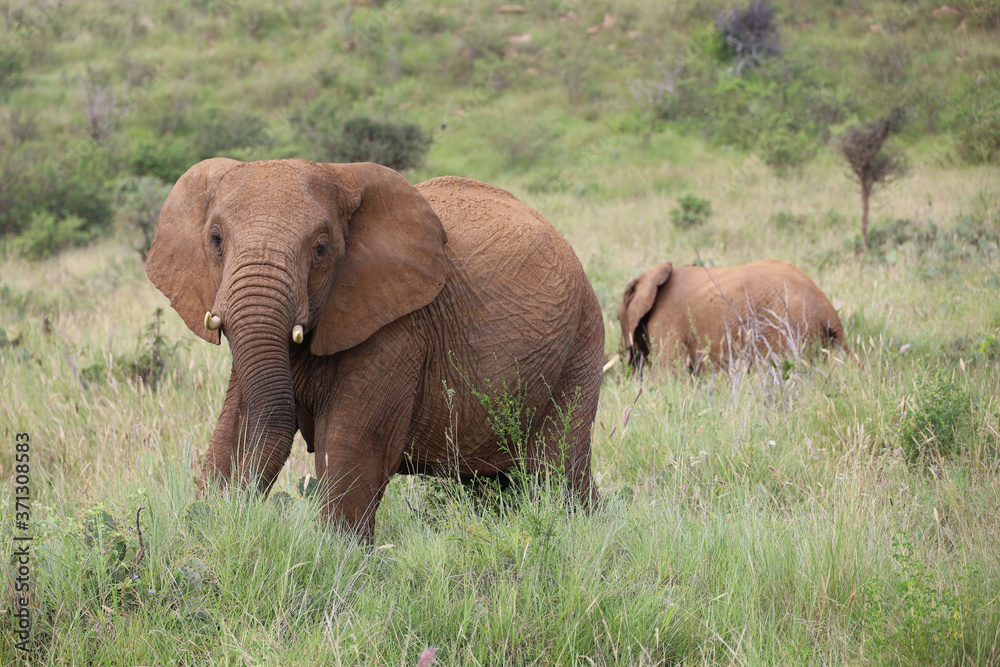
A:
(872, 162)
(750, 32)
(103, 108)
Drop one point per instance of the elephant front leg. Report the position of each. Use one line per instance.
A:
(352, 483)
(219, 460)
(360, 440)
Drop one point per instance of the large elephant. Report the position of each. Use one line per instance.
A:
(690, 315)
(380, 319)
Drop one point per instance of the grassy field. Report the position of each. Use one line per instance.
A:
(835, 511)
(766, 518)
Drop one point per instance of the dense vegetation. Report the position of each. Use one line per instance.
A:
(835, 511)
(98, 96)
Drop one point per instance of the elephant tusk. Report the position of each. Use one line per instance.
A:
(611, 364)
(297, 333)
(212, 322)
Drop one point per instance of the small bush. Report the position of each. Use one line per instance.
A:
(691, 212)
(984, 347)
(152, 356)
(138, 207)
(318, 124)
(972, 235)
(783, 149)
(783, 111)
(164, 159)
(979, 231)
(940, 415)
(47, 234)
(493, 73)
(576, 70)
(149, 363)
(399, 146)
(899, 231)
(217, 131)
(925, 619)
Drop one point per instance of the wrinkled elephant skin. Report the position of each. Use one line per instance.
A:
(367, 313)
(693, 315)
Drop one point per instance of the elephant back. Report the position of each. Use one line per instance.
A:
(516, 280)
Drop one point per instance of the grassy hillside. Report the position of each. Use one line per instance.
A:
(97, 94)
(775, 517)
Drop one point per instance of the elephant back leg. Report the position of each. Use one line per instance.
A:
(565, 424)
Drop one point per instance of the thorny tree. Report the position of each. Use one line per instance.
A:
(871, 162)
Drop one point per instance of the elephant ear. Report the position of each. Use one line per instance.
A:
(176, 262)
(639, 298)
(394, 261)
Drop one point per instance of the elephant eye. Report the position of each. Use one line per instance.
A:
(216, 240)
(321, 250)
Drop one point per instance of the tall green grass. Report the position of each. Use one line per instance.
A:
(748, 518)
(762, 518)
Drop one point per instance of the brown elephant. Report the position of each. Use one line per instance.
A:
(380, 319)
(691, 315)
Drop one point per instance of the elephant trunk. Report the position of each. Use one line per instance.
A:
(258, 322)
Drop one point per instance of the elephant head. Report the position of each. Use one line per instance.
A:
(640, 294)
(288, 252)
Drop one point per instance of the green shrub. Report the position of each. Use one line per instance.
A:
(216, 131)
(12, 60)
(691, 212)
(784, 149)
(138, 207)
(161, 158)
(899, 231)
(925, 620)
(64, 180)
(167, 151)
(47, 234)
(967, 349)
(399, 146)
(980, 231)
(978, 124)
(153, 352)
(783, 109)
(149, 363)
(495, 73)
(972, 234)
(319, 124)
(940, 415)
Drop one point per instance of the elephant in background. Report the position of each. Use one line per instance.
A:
(367, 313)
(693, 315)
